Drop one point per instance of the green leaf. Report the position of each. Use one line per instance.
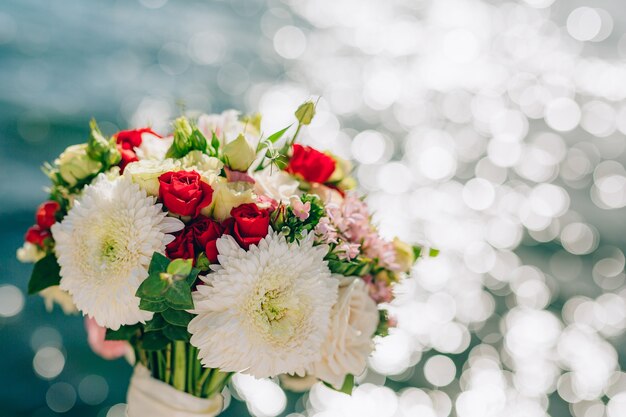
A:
(191, 278)
(152, 288)
(155, 306)
(202, 263)
(157, 323)
(433, 253)
(178, 296)
(123, 333)
(273, 138)
(45, 274)
(158, 263)
(180, 267)
(197, 140)
(154, 341)
(346, 387)
(177, 317)
(348, 384)
(176, 333)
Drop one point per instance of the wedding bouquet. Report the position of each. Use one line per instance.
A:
(215, 250)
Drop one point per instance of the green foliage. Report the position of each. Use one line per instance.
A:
(417, 252)
(355, 267)
(346, 387)
(167, 292)
(46, 273)
(123, 333)
(274, 156)
(383, 323)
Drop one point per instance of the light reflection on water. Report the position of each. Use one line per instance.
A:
(493, 130)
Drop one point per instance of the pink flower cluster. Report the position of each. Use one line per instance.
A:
(348, 226)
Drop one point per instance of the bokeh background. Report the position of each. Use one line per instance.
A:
(492, 130)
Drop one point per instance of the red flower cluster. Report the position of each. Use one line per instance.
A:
(310, 164)
(248, 225)
(45, 217)
(127, 141)
(198, 236)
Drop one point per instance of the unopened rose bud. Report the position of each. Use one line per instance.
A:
(305, 113)
(239, 154)
(74, 164)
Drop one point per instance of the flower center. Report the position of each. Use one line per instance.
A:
(108, 250)
(273, 305)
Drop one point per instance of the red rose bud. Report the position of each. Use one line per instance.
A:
(183, 245)
(206, 232)
(184, 193)
(310, 164)
(248, 224)
(46, 214)
(36, 235)
(130, 139)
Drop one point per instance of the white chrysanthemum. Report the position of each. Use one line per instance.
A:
(104, 246)
(276, 184)
(349, 343)
(265, 311)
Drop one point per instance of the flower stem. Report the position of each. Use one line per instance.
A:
(180, 368)
(201, 381)
(168, 364)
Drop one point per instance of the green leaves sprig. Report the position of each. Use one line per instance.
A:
(167, 293)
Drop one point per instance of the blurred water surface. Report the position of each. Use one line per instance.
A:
(492, 130)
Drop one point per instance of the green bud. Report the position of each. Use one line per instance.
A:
(99, 148)
(305, 113)
(285, 230)
(239, 154)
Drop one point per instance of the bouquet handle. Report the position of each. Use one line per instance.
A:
(148, 396)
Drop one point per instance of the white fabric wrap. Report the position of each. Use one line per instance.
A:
(149, 397)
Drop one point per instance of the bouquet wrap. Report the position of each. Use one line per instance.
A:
(148, 396)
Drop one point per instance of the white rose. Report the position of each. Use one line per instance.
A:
(226, 196)
(29, 253)
(146, 173)
(276, 184)
(55, 294)
(354, 319)
(153, 147)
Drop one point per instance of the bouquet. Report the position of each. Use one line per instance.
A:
(215, 250)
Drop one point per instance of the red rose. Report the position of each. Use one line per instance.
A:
(46, 214)
(36, 235)
(184, 193)
(130, 139)
(311, 164)
(183, 245)
(128, 156)
(248, 224)
(127, 141)
(206, 232)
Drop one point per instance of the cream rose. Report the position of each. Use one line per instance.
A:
(146, 173)
(226, 196)
(354, 319)
(207, 166)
